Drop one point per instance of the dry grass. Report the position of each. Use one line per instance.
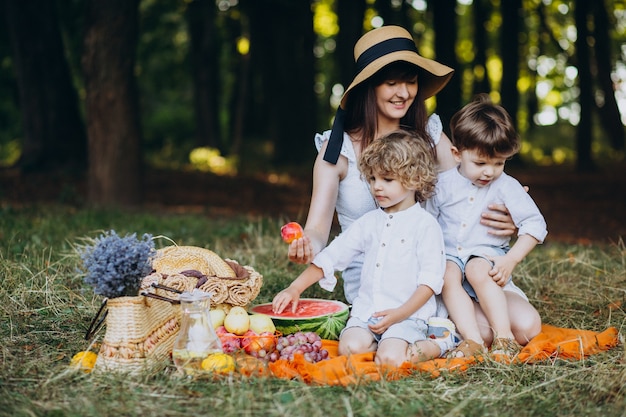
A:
(45, 310)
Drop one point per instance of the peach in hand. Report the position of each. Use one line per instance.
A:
(291, 231)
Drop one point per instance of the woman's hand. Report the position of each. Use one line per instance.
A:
(301, 251)
(499, 220)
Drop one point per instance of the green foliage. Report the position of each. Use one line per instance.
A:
(166, 91)
(46, 308)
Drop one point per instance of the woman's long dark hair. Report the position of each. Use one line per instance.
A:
(361, 109)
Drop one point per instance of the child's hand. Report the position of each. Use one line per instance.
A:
(502, 269)
(283, 298)
(387, 318)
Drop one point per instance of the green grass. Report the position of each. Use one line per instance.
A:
(45, 309)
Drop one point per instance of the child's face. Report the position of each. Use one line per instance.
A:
(481, 170)
(394, 97)
(390, 193)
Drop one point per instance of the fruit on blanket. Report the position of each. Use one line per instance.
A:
(230, 342)
(237, 321)
(219, 363)
(307, 344)
(258, 345)
(291, 231)
(262, 323)
(325, 317)
(217, 317)
(85, 361)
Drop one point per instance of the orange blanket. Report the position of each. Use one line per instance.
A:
(552, 342)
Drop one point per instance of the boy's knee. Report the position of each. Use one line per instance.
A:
(477, 272)
(384, 358)
(351, 347)
(526, 326)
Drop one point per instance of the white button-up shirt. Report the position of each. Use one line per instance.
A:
(458, 204)
(402, 251)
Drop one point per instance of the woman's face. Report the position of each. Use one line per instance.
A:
(394, 97)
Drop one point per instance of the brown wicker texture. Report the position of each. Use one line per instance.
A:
(228, 282)
(175, 259)
(140, 331)
(235, 292)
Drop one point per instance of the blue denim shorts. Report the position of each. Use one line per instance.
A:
(409, 330)
(487, 251)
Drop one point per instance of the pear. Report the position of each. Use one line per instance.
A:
(217, 317)
(238, 310)
(261, 323)
(237, 322)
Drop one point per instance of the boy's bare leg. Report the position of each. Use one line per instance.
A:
(491, 297)
(356, 340)
(459, 304)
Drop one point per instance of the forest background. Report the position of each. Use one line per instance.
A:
(109, 102)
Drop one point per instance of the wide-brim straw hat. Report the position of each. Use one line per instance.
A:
(375, 50)
(388, 44)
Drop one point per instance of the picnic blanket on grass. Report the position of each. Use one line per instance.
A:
(553, 342)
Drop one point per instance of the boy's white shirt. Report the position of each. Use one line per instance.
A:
(402, 251)
(458, 205)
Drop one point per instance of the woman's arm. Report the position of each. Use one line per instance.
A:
(326, 177)
(445, 160)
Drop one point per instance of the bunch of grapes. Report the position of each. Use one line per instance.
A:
(308, 344)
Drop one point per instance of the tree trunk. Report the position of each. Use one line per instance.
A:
(204, 53)
(393, 14)
(608, 110)
(584, 161)
(54, 133)
(240, 98)
(287, 74)
(350, 14)
(111, 102)
(481, 76)
(444, 25)
(510, 52)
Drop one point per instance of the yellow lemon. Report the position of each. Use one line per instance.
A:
(219, 363)
(84, 360)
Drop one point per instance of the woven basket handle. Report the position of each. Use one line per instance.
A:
(101, 315)
(160, 297)
(97, 321)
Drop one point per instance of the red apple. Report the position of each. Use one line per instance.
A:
(291, 231)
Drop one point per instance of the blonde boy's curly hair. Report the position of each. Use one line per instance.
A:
(405, 156)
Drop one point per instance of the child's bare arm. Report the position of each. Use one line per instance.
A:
(395, 315)
(291, 294)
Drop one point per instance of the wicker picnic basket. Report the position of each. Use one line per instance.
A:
(140, 330)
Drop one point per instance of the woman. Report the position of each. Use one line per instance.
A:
(388, 93)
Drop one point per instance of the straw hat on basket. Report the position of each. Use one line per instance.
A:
(372, 52)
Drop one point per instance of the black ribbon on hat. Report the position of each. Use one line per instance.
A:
(333, 149)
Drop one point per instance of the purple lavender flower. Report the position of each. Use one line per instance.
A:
(114, 266)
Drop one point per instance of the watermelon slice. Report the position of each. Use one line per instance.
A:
(325, 317)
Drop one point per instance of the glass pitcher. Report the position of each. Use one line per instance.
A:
(196, 339)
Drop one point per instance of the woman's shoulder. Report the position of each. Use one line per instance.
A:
(434, 127)
(347, 149)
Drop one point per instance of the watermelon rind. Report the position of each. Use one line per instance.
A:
(327, 326)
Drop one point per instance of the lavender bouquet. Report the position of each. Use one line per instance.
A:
(114, 266)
